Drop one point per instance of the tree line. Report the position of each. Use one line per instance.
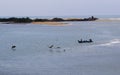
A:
(16, 20)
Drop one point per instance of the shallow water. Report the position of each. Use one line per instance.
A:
(32, 55)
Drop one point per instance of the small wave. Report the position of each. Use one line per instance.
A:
(112, 42)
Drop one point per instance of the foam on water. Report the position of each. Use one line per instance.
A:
(111, 42)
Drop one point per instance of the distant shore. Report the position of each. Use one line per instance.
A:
(54, 21)
(39, 20)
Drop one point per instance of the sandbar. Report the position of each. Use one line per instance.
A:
(51, 23)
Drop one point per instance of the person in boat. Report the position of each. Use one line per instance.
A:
(85, 41)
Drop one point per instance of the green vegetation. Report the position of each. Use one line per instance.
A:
(57, 19)
(16, 20)
(40, 20)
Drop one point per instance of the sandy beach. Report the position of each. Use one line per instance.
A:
(51, 23)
